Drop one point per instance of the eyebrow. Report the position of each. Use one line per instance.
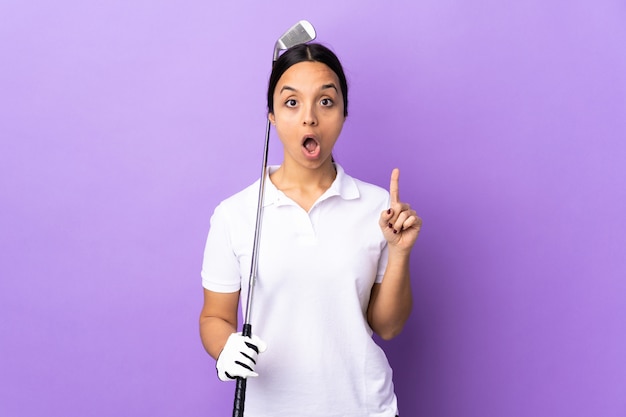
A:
(331, 85)
(324, 87)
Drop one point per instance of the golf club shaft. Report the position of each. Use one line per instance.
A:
(257, 227)
(240, 388)
(301, 32)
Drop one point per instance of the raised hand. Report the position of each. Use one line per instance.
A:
(400, 224)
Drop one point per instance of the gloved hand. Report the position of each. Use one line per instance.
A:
(238, 357)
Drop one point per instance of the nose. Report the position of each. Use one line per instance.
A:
(309, 117)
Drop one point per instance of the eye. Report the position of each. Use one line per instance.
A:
(326, 102)
(291, 103)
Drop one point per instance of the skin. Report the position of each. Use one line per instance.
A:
(309, 108)
(307, 104)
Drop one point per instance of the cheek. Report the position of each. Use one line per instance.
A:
(338, 124)
(283, 130)
(282, 117)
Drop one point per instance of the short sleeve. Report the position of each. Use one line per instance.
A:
(382, 263)
(384, 253)
(220, 266)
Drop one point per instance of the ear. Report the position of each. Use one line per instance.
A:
(271, 118)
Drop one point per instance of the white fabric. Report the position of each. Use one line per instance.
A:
(316, 271)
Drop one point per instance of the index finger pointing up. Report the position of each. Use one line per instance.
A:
(394, 190)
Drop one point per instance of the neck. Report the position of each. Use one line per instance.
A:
(302, 184)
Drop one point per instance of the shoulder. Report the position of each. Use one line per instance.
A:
(371, 189)
(239, 204)
(367, 190)
(245, 197)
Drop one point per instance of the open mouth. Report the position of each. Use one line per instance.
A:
(310, 144)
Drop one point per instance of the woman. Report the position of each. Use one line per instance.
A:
(333, 263)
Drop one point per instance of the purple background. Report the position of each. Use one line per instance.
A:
(123, 123)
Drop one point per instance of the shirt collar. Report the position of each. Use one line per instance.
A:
(343, 186)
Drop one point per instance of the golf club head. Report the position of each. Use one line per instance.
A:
(301, 32)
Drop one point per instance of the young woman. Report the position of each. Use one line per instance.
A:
(333, 263)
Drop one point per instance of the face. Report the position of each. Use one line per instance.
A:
(308, 113)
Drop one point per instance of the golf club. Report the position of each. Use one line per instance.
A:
(301, 32)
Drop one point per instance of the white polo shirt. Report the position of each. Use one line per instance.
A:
(315, 274)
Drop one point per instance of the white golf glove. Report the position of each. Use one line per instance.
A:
(238, 358)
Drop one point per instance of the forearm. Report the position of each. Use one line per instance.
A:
(214, 332)
(392, 300)
(218, 320)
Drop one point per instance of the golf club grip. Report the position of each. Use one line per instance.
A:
(240, 388)
(240, 397)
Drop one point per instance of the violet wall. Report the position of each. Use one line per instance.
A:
(123, 123)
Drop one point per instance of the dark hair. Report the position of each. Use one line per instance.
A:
(307, 52)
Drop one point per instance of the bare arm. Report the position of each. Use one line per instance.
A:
(218, 320)
(391, 301)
